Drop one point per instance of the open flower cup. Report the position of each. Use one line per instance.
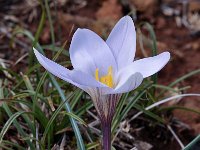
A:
(106, 69)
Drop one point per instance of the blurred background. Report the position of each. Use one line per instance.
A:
(176, 24)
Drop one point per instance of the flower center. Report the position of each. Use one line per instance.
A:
(107, 79)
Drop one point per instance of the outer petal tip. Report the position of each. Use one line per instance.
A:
(151, 65)
(122, 41)
(82, 30)
(168, 55)
(165, 56)
(37, 54)
(126, 18)
(35, 50)
(79, 30)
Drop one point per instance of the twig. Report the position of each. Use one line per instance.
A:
(63, 142)
(176, 137)
(20, 59)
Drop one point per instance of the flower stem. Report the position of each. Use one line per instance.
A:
(106, 129)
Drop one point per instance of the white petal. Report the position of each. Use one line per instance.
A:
(75, 77)
(130, 84)
(89, 52)
(122, 41)
(148, 66)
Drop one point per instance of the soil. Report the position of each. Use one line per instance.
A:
(181, 41)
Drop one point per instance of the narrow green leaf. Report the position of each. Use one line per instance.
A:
(129, 106)
(67, 107)
(190, 146)
(92, 145)
(5, 142)
(8, 123)
(170, 108)
(149, 113)
(50, 22)
(180, 79)
(75, 117)
(9, 113)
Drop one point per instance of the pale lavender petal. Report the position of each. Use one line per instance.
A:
(89, 52)
(147, 66)
(122, 41)
(75, 77)
(125, 86)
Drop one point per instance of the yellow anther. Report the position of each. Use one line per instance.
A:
(97, 74)
(107, 79)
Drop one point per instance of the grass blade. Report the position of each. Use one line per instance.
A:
(55, 83)
(8, 123)
(67, 107)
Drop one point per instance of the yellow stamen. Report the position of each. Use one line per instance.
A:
(107, 79)
(97, 74)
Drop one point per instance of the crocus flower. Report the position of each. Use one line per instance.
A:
(106, 69)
